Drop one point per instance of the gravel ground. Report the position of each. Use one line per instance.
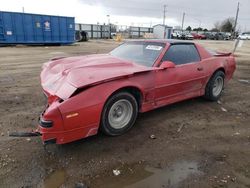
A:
(196, 143)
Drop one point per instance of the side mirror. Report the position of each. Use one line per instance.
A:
(167, 65)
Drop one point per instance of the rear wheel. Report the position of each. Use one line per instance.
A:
(215, 86)
(119, 114)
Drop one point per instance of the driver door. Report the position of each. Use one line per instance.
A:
(183, 81)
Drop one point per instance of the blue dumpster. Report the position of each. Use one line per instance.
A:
(22, 28)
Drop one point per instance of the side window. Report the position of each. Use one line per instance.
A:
(182, 54)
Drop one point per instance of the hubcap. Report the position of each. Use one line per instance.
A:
(218, 86)
(120, 114)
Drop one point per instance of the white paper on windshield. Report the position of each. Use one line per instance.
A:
(153, 47)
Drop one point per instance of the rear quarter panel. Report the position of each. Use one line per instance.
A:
(212, 63)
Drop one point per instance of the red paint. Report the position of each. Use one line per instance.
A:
(198, 36)
(99, 76)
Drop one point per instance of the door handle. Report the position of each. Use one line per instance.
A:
(200, 68)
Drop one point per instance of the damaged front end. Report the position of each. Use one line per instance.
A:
(56, 89)
(69, 84)
(50, 123)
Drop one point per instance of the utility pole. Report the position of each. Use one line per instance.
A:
(236, 19)
(183, 19)
(164, 14)
(108, 16)
(23, 9)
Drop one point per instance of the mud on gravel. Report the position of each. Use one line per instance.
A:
(197, 143)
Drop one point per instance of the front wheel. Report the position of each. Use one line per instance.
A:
(119, 114)
(215, 86)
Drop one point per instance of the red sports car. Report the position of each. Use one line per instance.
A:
(106, 92)
(199, 36)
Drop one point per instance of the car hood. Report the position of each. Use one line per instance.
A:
(61, 77)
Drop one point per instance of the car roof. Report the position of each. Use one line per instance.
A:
(169, 41)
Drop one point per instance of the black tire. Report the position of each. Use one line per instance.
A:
(209, 91)
(106, 125)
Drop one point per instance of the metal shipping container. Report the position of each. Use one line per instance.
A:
(22, 28)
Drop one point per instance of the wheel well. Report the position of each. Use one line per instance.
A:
(134, 91)
(220, 69)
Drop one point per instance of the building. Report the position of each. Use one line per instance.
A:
(162, 31)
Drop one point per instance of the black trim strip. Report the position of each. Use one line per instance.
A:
(45, 123)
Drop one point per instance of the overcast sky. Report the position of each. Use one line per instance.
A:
(138, 12)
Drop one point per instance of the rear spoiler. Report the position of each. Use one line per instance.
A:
(57, 58)
(222, 54)
(237, 43)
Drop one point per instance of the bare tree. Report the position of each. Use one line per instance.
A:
(227, 25)
(217, 26)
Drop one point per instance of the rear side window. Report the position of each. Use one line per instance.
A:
(182, 54)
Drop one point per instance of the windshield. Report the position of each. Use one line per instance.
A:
(143, 53)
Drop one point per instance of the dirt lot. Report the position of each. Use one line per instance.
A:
(198, 143)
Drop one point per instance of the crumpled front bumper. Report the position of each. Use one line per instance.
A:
(50, 123)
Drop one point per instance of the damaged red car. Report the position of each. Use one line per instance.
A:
(105, 92)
